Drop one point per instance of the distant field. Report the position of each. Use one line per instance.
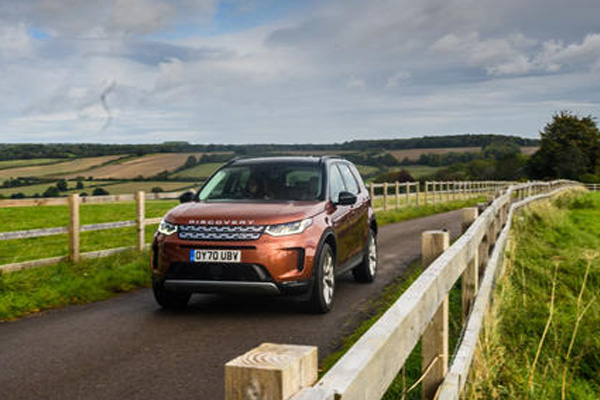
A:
(315, 152)
(146, 186)
(529, 150)
(366, 169)
(25, 163)
(146, 166)
(418, 171)
(201, 171)
(41, 188)
(74, 168)
(414, 154)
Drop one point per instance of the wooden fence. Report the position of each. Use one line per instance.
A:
(370, 366)
(400, 194)
(74, 227)
(393, 195)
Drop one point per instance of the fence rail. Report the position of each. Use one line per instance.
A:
(372, 363)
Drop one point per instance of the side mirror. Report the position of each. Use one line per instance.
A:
(346, 199)
(187, 197)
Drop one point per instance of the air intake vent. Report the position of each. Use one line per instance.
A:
(218, 232)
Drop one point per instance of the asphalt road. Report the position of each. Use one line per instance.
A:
(128, 348)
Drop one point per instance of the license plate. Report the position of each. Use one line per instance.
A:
(216, 256)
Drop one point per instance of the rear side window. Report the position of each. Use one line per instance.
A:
(349, 179)
(336, 183)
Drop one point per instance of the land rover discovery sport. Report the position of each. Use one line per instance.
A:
(273, 226)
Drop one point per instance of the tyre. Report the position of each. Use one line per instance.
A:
(324, 286)
(367, 269)
(169, 300)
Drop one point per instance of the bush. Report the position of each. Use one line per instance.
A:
(100, 192)
(157, 189)
(52, 191)
(18, 195)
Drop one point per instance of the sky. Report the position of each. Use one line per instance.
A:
(291, 71)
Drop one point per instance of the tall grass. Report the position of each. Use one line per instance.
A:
(542, 337)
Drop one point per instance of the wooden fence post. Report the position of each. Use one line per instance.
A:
(397, 194)
(74, 227)
(426, 192)
(139, 220)
(435, 338)
(417, 191)
(434, 192)
(407, 194)
(385, 196)
(470, 278)
(372, 192)
(271, 371)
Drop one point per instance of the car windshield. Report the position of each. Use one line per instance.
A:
(265, 182)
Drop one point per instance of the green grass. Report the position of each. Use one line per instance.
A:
(201, 171)
(20, 218)
(418, 171)
(412, 212)
(31, 190)
(366, 170)
(38, 289)
(554, 245)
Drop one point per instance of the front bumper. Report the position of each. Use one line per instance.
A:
(269, 265)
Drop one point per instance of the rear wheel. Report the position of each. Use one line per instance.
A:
(324, 286)
(367, 269)
(170, 300)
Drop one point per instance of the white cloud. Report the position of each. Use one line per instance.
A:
(15, 41)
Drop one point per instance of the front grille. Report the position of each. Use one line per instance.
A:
(219, 232)
(218, 272)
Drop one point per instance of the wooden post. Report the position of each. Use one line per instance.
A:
(417, 191)
(139, 220)
(372, 192)
(470, 278)
(271, 371)
(434, 192)
(435, 339)
(426, 192)
(385, 196)
(397, 194)
(407, 194)
(74, 227)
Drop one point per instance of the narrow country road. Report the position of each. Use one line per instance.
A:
(127, 348)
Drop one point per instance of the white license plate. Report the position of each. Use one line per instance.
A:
(216, 256)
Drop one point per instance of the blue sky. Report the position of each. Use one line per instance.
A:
(273, 71)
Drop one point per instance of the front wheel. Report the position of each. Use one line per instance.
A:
(322, 294)
(367, 269)
(169, 300)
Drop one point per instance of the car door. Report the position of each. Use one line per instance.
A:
(340, 216)
(358, 214)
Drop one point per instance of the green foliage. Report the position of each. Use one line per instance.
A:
(569, 149)
(157, 189)
(62, 185)
(79, 185)
(52, 191)
(556, 246)
(395, 176)
(99, 192)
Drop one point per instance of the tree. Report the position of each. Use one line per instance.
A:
(62, 185)
(157, 189)
(99, 192)
(79, 185)
(190, 162)
(569, 148)
(52, 191)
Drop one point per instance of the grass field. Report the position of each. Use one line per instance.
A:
(414, 154)
(134, 186)
(74, 168)
(200, 171)
(40, 188)
(24, 163)
(365, 170)
(541, 338)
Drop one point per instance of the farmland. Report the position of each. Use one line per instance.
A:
(200, 171)
(73, 167)
(24, 163)
(414, 154)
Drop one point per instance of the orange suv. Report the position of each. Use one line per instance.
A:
(273, 226)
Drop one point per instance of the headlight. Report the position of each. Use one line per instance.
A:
(167, 228)
(291, 228)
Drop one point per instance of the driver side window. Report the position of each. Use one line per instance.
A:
(336, 183)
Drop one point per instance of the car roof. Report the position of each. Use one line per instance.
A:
(282, 159)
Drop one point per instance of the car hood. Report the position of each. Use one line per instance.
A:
(237, 213)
